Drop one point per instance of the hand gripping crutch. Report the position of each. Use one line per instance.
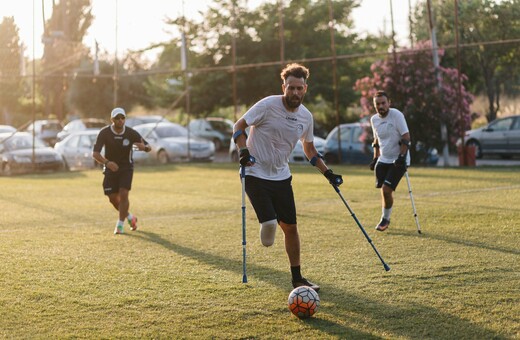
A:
(387, 268)
(243, 180)
(413, 203)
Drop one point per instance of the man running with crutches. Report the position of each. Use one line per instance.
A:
(391, 156)
(277, 123)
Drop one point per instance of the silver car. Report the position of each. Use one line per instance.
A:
(18, 155)
(76, 150)
(500, 137)
(170, 143)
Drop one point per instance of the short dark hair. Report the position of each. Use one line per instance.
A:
(295, 70)
(381, 94)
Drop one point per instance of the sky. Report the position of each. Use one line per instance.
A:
(140, 23)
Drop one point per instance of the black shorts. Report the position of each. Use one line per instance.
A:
(388, 174)
(272, 199)
(115, 180)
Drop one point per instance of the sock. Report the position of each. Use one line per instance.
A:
(120, 223)
(296, 273)
(387, 213)
(129, 217)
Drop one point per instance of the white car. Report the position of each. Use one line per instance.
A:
(76, 150)
(170, 143)
(297, 155)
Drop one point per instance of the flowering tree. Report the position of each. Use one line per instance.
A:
(426, 100)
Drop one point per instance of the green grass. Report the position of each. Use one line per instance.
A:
(63, 274)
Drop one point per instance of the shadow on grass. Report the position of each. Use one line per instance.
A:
(387, 318)
(450, 239)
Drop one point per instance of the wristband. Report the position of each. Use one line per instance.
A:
(237, 134)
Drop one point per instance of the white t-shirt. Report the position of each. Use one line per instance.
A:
(389, 131)
(274, 133)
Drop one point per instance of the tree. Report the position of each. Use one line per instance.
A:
(63, 50)
(411, 83)
(257, 40)
(489, 28)
(10, 68)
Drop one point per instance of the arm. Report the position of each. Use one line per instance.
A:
(316, 159)
(240, 138)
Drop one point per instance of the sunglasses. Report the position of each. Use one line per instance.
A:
(120, 117)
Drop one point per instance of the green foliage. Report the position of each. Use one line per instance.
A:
(64, 274)
(488, 28)
(257, 40)
(11, 89)
(411, 82)
(63, 50)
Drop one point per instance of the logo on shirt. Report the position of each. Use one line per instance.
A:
(291, 118)
(126, 142)
(299, 127)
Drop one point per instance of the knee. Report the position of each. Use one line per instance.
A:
(268, 232)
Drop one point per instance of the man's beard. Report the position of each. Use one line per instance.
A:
(293, 102)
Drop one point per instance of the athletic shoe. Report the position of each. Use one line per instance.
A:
(304, 282)
(383, 224)
(118, 229)
(133, 223)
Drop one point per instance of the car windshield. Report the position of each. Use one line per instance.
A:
(22, 142)
(220, 126)
(94, 125)
(165, 131)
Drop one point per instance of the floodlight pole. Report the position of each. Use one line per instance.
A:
(334, 74)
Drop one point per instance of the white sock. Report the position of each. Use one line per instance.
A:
(120, 223)
(387, 213)
(130, 216)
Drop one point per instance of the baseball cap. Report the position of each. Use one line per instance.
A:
(117, 111)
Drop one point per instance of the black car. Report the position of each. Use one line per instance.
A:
(16, 154)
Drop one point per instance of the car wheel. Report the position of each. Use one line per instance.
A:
(7, 170)
(218, 144)
(162, 157)
(478, 148)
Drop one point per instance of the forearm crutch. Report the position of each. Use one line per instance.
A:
(413, 203)
(243, 180)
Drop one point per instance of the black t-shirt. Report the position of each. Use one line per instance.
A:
(118, 148)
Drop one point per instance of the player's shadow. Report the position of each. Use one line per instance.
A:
(346, 306)
(454, 240)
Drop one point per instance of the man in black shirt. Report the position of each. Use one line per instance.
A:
(118, 141)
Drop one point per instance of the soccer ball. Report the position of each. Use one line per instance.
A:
(303, 302)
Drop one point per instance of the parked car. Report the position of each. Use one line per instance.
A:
(76, 150)
(7, 128)
(46, 129)
(297, 155)
(16, 154)
(138, 120)
(170, 143)
(355, 146)
(215, 129)
(500, 137)
(81, 124)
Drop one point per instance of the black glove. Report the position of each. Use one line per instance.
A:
(333, 178)
(400, 162)
(245, 158)
(373, 163)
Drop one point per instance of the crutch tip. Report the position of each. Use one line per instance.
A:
(244, 279)
(387, 268)
(420, 232)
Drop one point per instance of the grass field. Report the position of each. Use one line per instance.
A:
(63, 273)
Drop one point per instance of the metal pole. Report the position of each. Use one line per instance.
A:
(282, 34)
(116, 80)
(444, 129)
(234, 61)
(394, 47)
(334, 75)
(464, 160)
